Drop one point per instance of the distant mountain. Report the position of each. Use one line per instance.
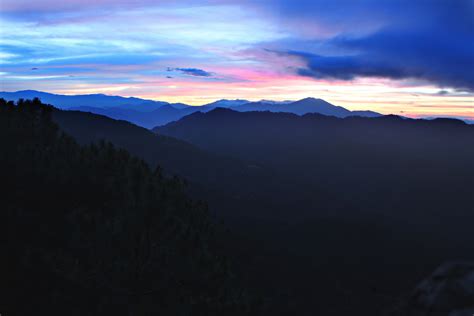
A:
(175, 156)
(159, 116)
(468, 121)
(90, 100)
(224, 103)
(149, 113)
(304, 106)
(275, 102)
(178, 106)
(364, 114)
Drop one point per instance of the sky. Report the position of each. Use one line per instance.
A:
(409, 57)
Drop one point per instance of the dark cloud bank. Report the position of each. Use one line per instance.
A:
(428, 40)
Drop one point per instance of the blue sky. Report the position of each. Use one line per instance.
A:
(413, 57)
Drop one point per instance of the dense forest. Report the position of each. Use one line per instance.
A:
(307, 215)
(93, 230)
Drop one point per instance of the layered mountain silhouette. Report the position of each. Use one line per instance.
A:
(91, 100)
(325, 215)
(355, 193)
(94, 230)
(175, 156)
(159, 116)
(317, 148)
(224, 103)
(304, 106)
(148, 113)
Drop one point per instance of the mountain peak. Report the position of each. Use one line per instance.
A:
(221, 110)
(166, 107)
(29, 92)
(226, 103)
(312, 100)
(26, 91)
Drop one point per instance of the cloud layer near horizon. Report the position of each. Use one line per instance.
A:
(248, 49)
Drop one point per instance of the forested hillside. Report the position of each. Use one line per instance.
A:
(92, 230)
(175, 156)
(321, 215)
(366, 208)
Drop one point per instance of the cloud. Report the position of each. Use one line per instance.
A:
(437, 56)
(194, 72)
(430, 41)
(72, 5)
(422, 43)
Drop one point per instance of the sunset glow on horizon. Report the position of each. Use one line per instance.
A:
(386, 56)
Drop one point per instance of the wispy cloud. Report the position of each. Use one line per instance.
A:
(193, 72)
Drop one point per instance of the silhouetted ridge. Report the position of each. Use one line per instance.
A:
(449, 121)
(149, 113)
(174, 155)
(92, 230)
(360, 208)
(219, 112)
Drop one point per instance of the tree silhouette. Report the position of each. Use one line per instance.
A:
(93, 230)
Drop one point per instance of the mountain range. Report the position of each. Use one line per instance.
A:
(149, 113)
(340, 206)
(91, 229)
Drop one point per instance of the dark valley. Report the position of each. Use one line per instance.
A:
(286, 214)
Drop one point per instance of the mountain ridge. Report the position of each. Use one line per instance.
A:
(149, 113)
